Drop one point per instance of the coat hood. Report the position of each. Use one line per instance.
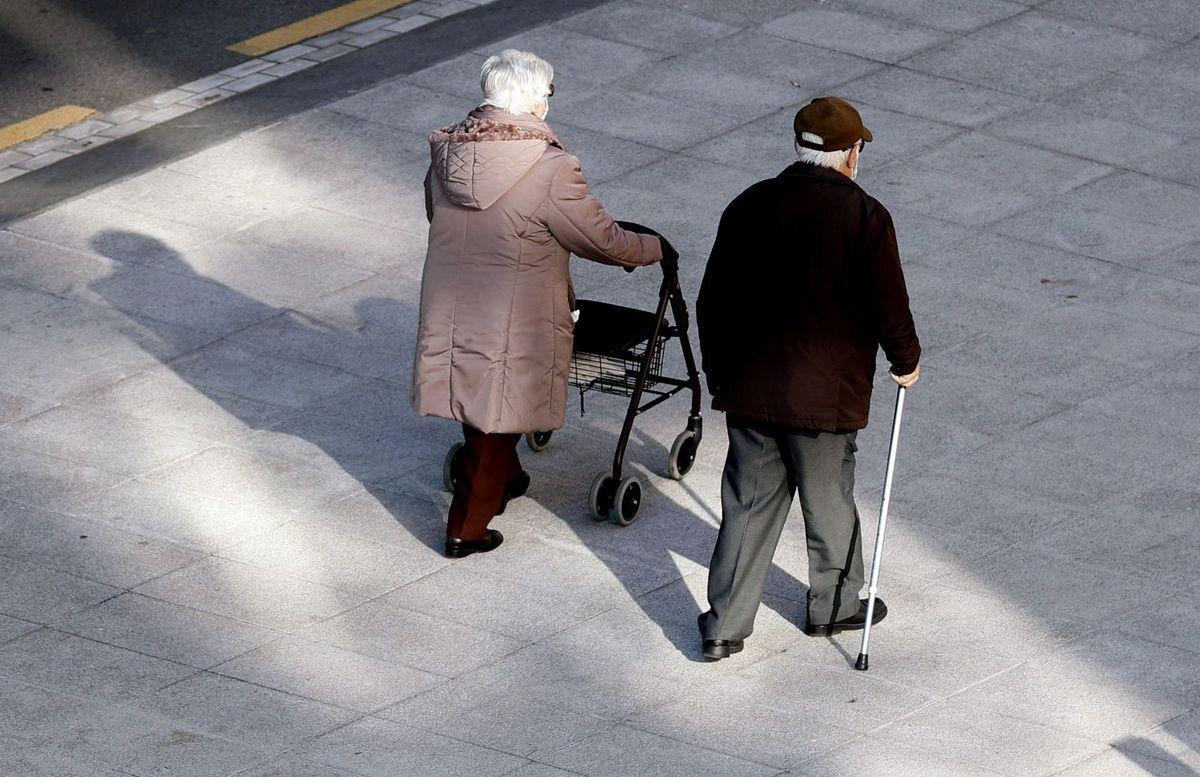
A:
(479, 159)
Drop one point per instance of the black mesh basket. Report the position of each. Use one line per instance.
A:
(610, 348)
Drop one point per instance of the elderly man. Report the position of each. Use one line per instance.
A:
(802, 287)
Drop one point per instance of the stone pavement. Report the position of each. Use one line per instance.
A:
(219, 520)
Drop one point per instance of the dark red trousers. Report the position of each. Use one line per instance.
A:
(486, 464)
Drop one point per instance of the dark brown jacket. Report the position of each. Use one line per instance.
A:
(802, 287)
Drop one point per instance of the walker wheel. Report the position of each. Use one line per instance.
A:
(450, 467)
(538, 441)
(626, 502)
(683, 454)
(600, 498)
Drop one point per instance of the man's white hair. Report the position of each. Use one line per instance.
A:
(832, 159)
(516, 81)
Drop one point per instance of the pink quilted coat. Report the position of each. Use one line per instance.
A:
(507, 205)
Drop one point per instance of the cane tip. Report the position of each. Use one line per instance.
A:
(861, 663)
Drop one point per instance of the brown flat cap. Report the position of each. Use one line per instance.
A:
(834, 122)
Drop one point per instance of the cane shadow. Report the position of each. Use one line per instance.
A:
(1152, 758)
(667, 530)
(357, 426)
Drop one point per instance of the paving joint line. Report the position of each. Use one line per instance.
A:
(97, 129)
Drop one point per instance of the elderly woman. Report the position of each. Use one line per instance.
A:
(507, 205)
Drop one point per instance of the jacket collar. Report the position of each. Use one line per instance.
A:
(806, 170)
(522, 121)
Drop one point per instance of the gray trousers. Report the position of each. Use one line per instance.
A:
(764, 469)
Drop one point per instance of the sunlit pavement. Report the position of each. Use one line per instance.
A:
(220, 522)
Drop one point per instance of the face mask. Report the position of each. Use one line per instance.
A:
(854, 171)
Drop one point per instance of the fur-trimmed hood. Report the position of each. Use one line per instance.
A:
(480, 158)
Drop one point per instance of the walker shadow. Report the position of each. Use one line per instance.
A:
(356, 431)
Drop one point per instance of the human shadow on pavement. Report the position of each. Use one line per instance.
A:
(298, 367)
(363, 426)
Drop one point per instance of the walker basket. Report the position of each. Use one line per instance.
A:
(610, 348)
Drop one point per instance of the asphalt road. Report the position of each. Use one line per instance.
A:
(106, 53)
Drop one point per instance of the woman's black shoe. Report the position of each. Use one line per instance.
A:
(456, 548)
(517, 487)
(856, 621)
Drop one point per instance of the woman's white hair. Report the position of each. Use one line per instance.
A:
(516, 81)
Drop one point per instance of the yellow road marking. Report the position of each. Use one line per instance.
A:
(313, 26)
(40, 125)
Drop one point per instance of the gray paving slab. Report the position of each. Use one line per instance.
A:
(1179, 163)
(294, 767)
(263, 164)
(318, 233)
(165, 630)
(1167, 18)
(229, 708)
(865, 35)
(933, 97)
(888, 757)
(582, 61)
(14, 407)
(1173, 741)
(1119, 763)
(378, 748)
(633, 116)
(500, 605)
(711, 85)
(12, 628)
(630, 750)
(249, 594)
(76, 345)
(989, 740)
(110, 230)
(736, 14)
(39, 265)
(658, 29)
(194, 201)
(161, 396)
(119, 738)
(229, 369)
(522, 724)
(727, 719)
(86, 437)
(252, 274)
(328, 557)
(1082, 703)
(329, 674)
(186, 519)
(384, 629)
(89, 549)
(1156, 100)
(74, 664)
(49, 483)
(37, 594)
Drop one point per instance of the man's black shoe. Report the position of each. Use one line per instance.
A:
(456, 548)
(517, 487)
(856, 621)
(716, 649)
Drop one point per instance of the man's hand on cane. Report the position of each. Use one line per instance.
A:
(907, 380)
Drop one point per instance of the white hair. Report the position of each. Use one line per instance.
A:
(832, 159)
(516, 81)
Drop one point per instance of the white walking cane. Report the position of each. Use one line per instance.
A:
(862, 661)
